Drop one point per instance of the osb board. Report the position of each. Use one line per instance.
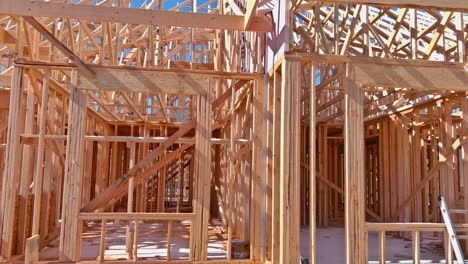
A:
(137, 80)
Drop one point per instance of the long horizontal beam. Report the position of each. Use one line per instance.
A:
(134, 80)
(424, 4)
(137, 216)
(341, 59)
(392, 73)
(206, 73)
(153, 80)
(410, 76)
(32, 138)
(129, 15)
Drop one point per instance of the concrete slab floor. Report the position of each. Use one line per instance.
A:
(331, 247)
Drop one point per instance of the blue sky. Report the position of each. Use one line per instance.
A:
(170, 3)
(167, 4)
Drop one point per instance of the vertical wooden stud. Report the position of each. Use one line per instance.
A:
(312, 169)
(11, 173)
(70, 231)
(289, 162)
(354, 171)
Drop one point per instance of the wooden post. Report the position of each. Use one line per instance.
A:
(416, 246)
(39, 172)
(416, 167)
(191, 184)
(290, 162)
(27, 169)
(201, 203)
(11, 172)
(31, 252)
(230, 180)
(181, 183)
(52, 173)
(312, 169)
(115, 167)
(169, 238)
(382, 248)
(135, 241)
(385, 171)
(102, 244)
(354, 171)
(446, 174)
(320, 184)
(324, 173)
(131, 187)
(205, 162)
(275, 218)
(33, 257)
(448, 248)
(464, 152)
(162, 180)
(70, 231)
(257, 171)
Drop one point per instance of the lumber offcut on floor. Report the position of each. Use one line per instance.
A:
(233, 131)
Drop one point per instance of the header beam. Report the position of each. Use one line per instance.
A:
(129, 15)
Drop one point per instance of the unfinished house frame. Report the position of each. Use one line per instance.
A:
(221, 131)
